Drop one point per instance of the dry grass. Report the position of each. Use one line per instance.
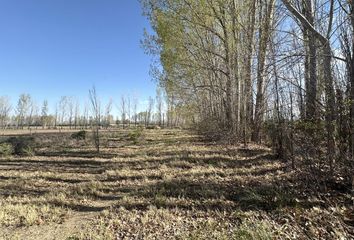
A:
(168, 184)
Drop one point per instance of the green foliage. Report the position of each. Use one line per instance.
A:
(136, 135)
(6, 149)
(81, 135)
(248, 230)
(253, 231)
(23, 146)
(266, 198)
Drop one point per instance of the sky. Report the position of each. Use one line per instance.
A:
(54, 48)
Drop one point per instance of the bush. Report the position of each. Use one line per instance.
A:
(153, 127)
(6, 149)
(136, 135)
(81, 135)
(23, 146)
(212, 129)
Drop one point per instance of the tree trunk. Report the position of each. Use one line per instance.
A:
(264, 35)
(248, 98)
(330, 103)
(351, 76)
(310, 63)
(327, 71)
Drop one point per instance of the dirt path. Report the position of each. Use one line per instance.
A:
(73, 224)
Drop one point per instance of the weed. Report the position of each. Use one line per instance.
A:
(29, 214)
(136, 135)
(6, 149)
(23, 146)
(81, 135)
(253, 230)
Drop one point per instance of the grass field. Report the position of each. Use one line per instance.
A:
(160, 184)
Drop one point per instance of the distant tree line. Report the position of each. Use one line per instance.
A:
(68, 113)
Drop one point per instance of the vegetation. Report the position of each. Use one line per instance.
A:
(23, 145)
(96, 112)
(250, 134)
(274, 72)
(81, 135)
(136, 135)
(6, 149)
(174, 185)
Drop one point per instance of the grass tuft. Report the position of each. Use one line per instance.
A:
(29, 214)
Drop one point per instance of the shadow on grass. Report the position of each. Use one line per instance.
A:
(78, 207)
(59, 166)
(196, 190)
(206, 197)
(81, 154)
(19, 191)
(61, 180)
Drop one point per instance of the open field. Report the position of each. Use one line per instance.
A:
(163, 184)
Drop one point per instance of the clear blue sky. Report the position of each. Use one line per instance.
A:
(52, 48)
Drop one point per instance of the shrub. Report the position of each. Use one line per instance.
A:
(254, 230)
(24, 146)
(212, 129)
(153, 127)
(136, 135)
(81, 135)
(6, 149)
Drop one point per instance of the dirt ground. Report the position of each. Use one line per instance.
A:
(162, 184)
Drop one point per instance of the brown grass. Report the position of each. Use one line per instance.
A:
(169, 184)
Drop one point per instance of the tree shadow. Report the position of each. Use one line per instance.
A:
(18, 190)
(77, 207)
(61, 166)
(210, 196)
(78, 154)
(204, 190)
(62, 180)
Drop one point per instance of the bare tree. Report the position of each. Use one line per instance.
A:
(265, 33)
(56, 116)
(108, 113)
(129, 110)
(77, 115)
(135, 110)
(44, 114)
(149, 111)
(22, 109)
(5, 109)
(123, 110)
(159, 106)
(71, 111)
(96, 116)
(327, 72)
(85, 116)
(63, 110)
(33, 110)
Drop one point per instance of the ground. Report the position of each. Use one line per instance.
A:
(161, 184)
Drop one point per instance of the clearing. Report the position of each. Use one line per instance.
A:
(161, 184)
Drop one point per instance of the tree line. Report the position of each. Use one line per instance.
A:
(68, 112)
(275, 71)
